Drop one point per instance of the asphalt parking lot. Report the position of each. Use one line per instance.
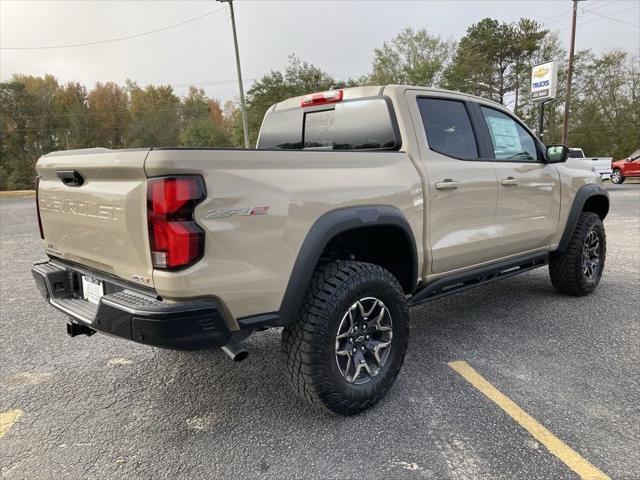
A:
(100, 407)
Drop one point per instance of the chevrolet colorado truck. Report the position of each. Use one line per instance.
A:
(356, 204)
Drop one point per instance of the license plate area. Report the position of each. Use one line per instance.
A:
(92, 289)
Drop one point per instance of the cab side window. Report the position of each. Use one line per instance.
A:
(510, 141)
(448, 128)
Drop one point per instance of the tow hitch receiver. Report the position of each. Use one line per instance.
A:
(74, 329)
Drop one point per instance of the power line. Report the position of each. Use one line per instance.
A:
(612, 18)
(604, 16)
(117, 39)
(564, 15)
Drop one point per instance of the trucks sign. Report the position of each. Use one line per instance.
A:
(544, 81)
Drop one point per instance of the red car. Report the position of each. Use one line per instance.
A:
(629, 167)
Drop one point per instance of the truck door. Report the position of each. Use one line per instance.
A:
(461, 189)
(528, 189)
(632, 167)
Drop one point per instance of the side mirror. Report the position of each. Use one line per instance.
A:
(557, 153)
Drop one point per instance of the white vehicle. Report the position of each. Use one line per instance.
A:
(602, 165)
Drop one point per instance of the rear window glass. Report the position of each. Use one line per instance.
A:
(575, 154)
(318, 129)
(279, 130)
(448, 127)
(350, 125)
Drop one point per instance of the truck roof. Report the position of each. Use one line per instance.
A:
(377, 90)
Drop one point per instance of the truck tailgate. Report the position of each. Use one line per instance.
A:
(100, 223)
(602, 164)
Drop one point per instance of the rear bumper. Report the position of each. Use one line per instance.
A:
(132, 315)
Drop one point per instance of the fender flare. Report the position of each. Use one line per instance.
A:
(322, 232)
(582, 195)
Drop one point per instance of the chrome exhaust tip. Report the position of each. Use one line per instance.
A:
(235, 351)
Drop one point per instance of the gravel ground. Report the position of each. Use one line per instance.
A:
(101, 407)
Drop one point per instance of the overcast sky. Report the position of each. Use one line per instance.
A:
(337, 36)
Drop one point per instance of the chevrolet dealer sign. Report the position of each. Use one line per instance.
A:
(544, 81)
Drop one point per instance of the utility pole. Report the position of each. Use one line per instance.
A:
(245, 126)
(567, 98)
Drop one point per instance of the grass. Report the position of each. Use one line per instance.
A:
(17, 193)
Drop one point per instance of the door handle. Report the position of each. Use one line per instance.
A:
(70, 178)
(446, 184)
(508, 182)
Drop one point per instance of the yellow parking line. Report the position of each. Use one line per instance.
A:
(7, 419)
(556, 446)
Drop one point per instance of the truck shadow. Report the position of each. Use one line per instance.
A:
(491, 318)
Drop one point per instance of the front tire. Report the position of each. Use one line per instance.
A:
(346, 348)
(617, 177)
(578, 270)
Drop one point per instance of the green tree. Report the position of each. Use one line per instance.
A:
(605, 106)
(71, 116)
(412, 58)
(492, 58)
(527, 40)
(155, 116)
(43, 120)
(17, 134)
(202, 132)
(195, 105)
(232, 121)
(298, 78)
(108, 115)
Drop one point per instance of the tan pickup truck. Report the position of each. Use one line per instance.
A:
(356, 204)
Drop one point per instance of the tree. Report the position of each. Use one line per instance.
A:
(299, 78)
(549, 49)
(17, 132)
(108, 115)
(232, 121)
(492, 57)
(202, 132)
(527, 41)
(155, 116)
(412, 58)
(43, 90)
(605, 113)
(195, 105)
(71, 116)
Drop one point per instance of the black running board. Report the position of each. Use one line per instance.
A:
(479, 276)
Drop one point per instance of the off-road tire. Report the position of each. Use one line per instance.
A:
(309, 342)
(566, 269)
(617, 177)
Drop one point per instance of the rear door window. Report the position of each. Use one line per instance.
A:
(448, 127)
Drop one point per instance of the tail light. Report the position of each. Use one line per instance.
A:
(38, 208)
(332, 96)
(176, 240)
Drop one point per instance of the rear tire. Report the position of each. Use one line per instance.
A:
(617, 177)
(578, 270)
(337, 358)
